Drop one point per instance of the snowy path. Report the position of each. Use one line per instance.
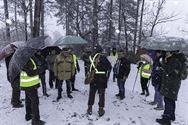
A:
(133, 110)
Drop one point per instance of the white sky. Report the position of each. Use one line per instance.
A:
(178, 6)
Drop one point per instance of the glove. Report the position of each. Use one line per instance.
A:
(125, 77)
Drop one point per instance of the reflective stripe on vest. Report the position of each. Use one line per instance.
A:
(29, 81)
(74, 59)
(93, 65)
(146, 71)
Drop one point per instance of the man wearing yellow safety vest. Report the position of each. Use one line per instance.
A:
(145, 69)
(29, 81)
(77, 69)
(102, 68)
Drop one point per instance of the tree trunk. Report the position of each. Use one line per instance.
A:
(42, 17)
(7, 18)
(24, 8)
(119, 21)
(77, 17)
(136, 26)
(141, 21)
(126, 35)
(15, 18)
(36, 28)
(95, 23)
(110, 22)
(31, 15)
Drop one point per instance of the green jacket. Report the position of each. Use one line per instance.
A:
(64, 67)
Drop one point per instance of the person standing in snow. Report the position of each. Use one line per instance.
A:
(123, 70)
(15, 100)
(50, 59)
(170, 85)
(77, 69)
(145, 68)
(64, 69)
(41, 67)
(29, 82)
(102, 68)
(156, 81)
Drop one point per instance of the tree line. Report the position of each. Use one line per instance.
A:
(104, 22)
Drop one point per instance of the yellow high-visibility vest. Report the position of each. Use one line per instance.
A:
(145, 70)
(29, 81)
(93, 65)
(74, 59)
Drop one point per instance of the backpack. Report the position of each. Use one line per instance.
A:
(183, 70)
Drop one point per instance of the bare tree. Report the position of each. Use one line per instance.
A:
(141, 21)
(6, 20)
(37, 17)
(157, 16)
(31, 15)
(42, 17)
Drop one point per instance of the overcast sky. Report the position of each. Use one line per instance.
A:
(173, 28)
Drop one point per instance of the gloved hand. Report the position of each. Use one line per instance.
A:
(125, 77)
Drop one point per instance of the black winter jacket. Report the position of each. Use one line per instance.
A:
(100, 80)
(124, 68)
(171, 77)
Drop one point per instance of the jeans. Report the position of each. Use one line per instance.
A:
(51, 78)
(43, 82)
(158, 98)
(92, 93)
(121, 86)
(170, 107)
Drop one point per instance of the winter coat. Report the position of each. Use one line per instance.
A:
(50, 59)
(100, 80)
(64, 67)
(28, 68)
(85, 58)
(123, 68)
(156, 72)
(171, 81)
(41, 63)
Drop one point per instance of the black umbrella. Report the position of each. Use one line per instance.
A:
(46, 51)
(38, 42)
(18, 61)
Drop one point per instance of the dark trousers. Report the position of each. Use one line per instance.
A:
(51, 79)
(170, 106)
(114, 77)
(15, 100)
(121, 86)
(73, 82)
(32, 103)
(60, 83)
(43, 82)
(144, 82)
(92, 93)
(86, 70)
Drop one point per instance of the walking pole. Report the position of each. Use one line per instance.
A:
(135, 81)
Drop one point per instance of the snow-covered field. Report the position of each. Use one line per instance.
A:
(133, 110)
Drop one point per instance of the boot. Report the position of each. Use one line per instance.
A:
(147, 92)
(164, 121)
(101, 111)
(58, 98)
(69, 96)
(143, 93)
(44, 91)
(28, 117)
(89, 110)
(39, 122)
(18, 106)
(118, 95)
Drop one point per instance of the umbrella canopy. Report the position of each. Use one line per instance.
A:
(70, 40)
(18, 61)
(10, 48)
(38, 42)
(164, 43)
(46, 51)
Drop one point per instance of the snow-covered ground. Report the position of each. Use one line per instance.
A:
(133, 110)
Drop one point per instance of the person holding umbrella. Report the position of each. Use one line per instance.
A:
(29, 81)
(145, 68)
(170, 85)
